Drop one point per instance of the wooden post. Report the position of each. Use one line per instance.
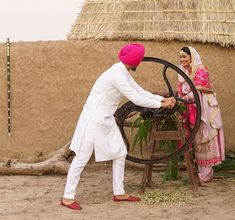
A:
(8, 87)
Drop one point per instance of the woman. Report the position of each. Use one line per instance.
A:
(209, 141)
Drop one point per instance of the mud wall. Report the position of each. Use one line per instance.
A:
(51, 80)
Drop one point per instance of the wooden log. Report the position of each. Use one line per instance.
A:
(57, 164)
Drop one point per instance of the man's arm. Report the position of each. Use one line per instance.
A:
(125, 85)
(146, 93)
(166, 101)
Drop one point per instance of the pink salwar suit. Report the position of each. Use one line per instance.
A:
(209, 140)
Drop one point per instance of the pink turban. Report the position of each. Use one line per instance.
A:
(132, 54)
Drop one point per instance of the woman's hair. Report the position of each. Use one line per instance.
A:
(186, 50)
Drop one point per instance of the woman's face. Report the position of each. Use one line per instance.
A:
(185, 59)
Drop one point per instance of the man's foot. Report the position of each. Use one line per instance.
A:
(70, 203)
(126, 197)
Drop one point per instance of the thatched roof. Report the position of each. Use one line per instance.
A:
(188, 20)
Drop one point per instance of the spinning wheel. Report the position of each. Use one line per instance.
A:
(159, 114)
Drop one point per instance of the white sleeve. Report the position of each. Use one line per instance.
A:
(146, 93)
(125, 85)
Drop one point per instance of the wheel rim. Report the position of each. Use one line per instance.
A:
(129, 107)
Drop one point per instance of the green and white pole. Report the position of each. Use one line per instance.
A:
(8, 87)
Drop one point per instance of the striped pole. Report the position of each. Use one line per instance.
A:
(8, 88)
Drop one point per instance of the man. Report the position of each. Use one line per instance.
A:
(97, 130)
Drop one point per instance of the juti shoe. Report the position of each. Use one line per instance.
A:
(73, 205)
(129, 199)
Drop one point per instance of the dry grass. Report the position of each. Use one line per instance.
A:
(203, 21)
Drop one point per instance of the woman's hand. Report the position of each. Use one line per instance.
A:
(204, 89)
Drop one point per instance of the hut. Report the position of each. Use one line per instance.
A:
(203, 21)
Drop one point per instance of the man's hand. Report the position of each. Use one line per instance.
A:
(172, 99)
(168, 102)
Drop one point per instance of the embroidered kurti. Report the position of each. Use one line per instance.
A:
(98, 112)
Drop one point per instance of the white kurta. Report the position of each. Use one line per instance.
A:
(109, 89)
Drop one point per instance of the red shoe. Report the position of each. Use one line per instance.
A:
(129, 199)
(73, 205)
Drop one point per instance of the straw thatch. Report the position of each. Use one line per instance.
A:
(187, 20)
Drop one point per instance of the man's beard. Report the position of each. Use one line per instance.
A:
(133, 68)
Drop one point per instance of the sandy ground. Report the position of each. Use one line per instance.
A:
(37, 197)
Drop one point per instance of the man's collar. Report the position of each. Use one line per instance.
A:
(123, 67)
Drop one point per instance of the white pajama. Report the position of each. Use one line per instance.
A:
(81, 159)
